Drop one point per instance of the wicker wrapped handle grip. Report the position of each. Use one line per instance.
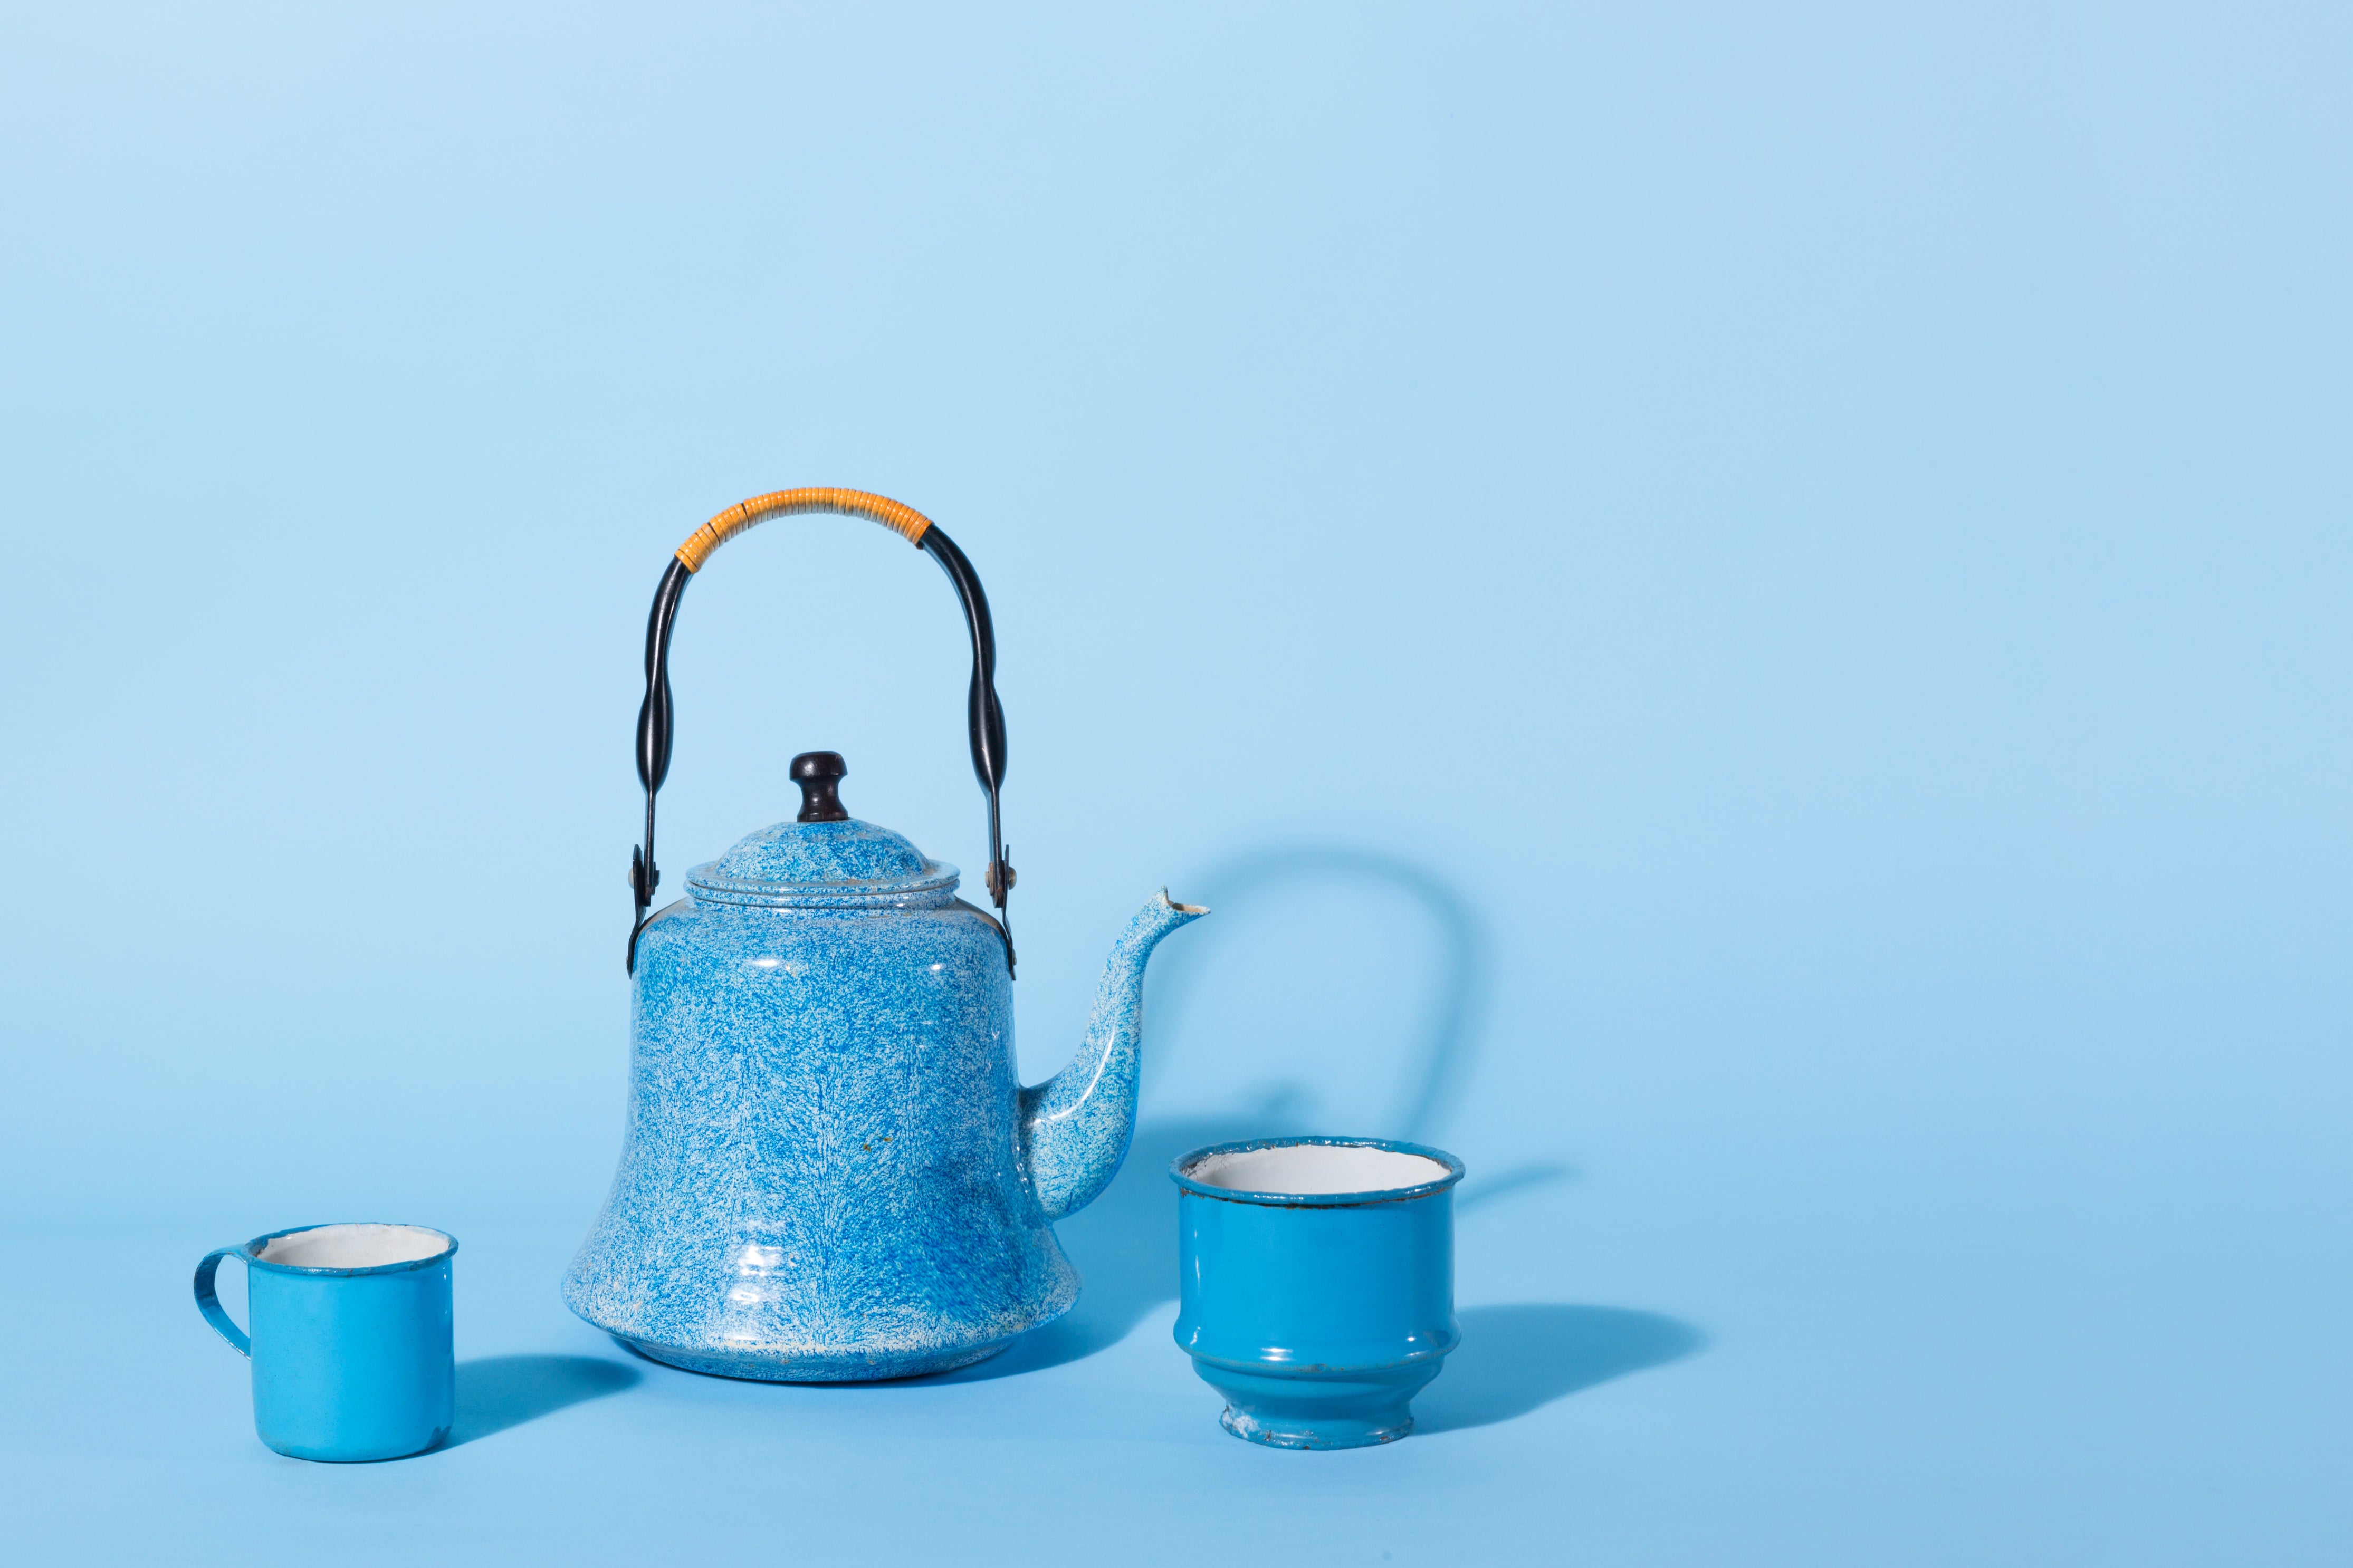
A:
(985, 715)
(897, 516)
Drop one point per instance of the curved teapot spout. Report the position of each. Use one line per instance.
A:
(1075, 1127)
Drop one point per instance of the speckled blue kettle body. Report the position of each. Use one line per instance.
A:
(832, 1171)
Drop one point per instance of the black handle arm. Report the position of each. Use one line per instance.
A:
(984, 711)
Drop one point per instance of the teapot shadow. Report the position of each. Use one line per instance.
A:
(1433, 1045)
(495, 1393)
(1516, 1359)
(1124, 1243)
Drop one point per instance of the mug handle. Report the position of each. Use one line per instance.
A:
(208, 1302)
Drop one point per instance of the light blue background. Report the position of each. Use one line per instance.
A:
(1742, 611)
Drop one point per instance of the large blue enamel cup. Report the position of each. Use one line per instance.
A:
(351, 1342)
(1317, 1283)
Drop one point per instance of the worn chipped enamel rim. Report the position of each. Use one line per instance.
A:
(1184, 1163)
(250, 1252)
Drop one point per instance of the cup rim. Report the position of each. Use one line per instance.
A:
(1178, 1166)
(251, 1251)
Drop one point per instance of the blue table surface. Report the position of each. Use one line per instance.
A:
(1871, 1353)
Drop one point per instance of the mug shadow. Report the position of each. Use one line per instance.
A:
(1517, 1359)
(495, 1393)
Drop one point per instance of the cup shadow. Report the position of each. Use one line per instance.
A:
(495, 1393)
(1516, 1359)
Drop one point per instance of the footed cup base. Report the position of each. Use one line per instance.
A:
(1343, 1410)
(1313, 1434)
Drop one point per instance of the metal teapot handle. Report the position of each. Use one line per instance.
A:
(983, 713)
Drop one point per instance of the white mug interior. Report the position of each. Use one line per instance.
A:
(354, 1246)
(1305, 1170)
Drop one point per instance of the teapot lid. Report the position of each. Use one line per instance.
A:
(824, 856)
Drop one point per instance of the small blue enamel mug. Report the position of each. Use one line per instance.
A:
(351, 1345)
(1317, 1283)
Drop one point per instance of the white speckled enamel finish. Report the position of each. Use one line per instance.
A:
(823, 1175)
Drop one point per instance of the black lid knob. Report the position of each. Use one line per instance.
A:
(819, 774)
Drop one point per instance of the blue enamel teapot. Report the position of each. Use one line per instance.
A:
(832, 1171)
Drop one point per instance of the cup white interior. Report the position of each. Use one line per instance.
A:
(354, 1245)
(1304, 1170)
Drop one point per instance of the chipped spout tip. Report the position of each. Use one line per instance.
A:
(1194, 909)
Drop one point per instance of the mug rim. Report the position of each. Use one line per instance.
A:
(1178, 1167)
(251, 1251)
